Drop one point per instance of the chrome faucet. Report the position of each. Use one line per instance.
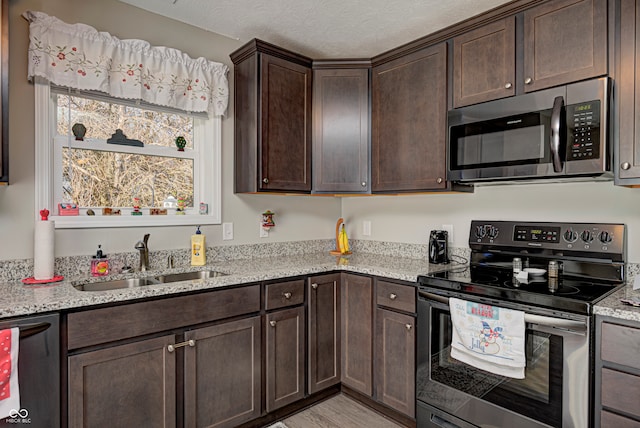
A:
(144, 252)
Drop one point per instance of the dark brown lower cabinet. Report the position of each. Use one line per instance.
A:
(395, 360)
(324, 331)
(127, 385)
(222, 386)
(357, 332)
(285, 357)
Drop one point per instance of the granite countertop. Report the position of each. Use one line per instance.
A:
(611, 306)
(18, 299)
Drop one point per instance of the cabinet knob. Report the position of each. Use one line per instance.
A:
(508, 85)
(439, 180)
(364, 184)
(528, 81)
(408, 326)
(265, 180)
(625, 165)
(287, 295)
(314, 286)
(393, 296)
(272, 323)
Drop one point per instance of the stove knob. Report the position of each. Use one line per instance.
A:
(492, 232)
(570, 235)
(605, 237)
(480, 232)
(587, 236)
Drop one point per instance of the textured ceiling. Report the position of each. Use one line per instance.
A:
(322, 28)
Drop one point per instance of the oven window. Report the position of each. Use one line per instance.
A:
(538, 395)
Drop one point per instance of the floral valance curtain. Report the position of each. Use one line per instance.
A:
(78, 56)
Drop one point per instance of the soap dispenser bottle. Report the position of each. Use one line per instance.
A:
(99, 263)
(198, 249)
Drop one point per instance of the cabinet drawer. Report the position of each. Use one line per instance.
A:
(608, 419)
(103, 325)
(283, 294)
(396, 296)
(621, 345)
(620, 391)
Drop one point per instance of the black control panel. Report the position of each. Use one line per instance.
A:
(584, 237)
(583, 133)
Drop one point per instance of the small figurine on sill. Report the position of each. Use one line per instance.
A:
(182, 206)
(136, 207)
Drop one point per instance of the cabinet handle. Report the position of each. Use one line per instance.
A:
(265, 180)
(625, 165)
(272, 323)
(408, 327)
(287, 295)
(393, 296)
(314, 286)
(364, 184)
(190, 343)
(528, 81)
(508, 85)
(439, 180)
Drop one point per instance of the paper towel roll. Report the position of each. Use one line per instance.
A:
(43, 250)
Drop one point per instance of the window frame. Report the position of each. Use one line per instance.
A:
(207, 174)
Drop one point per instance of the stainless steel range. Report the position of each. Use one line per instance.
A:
(590, 262)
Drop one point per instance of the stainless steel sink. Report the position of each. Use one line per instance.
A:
(187, 276)
(117, 284)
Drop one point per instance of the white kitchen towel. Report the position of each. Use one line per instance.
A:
(488, 337)
(9, 389)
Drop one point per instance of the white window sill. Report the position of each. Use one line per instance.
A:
(88, 222)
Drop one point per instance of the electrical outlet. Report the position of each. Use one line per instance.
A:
(227, 231)
(449, 229)
(264, 233)
(366, 228)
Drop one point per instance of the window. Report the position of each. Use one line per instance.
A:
(112, 184)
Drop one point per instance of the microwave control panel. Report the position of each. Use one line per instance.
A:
(583, 131)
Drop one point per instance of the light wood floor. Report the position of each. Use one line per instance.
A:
(339, 412)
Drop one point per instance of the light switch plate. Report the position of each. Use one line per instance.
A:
(227, 231)
(264, 233)
(366, 228)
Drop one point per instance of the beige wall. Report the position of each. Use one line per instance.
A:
(297, 217)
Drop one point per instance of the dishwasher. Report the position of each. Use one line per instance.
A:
(38, 372)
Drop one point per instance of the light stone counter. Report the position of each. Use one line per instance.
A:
(18, 299)
(613, 307)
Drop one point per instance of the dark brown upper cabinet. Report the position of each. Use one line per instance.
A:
(562, 41)
(484, 63)
(408, 121)
(4, 92)
(627, 165)
(341, 127)
(272, 119)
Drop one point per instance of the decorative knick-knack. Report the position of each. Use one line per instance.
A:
(79, 130)
(181, 143)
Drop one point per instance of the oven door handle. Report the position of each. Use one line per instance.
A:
(565, 325)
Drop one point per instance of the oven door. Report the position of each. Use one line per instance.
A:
(453, 394)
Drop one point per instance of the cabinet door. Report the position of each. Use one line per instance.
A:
(484, 63)
(324, 332)
(564, 41)
(395, 360)
(130, 385)
(341, 130)
(627, 167)
(409, 107)
(357, 338)
(285, 147)
(223, 375)
(285, 357)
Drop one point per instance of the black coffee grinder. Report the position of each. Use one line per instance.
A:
(439, 247)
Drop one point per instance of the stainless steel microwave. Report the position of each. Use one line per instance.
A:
(558, 133)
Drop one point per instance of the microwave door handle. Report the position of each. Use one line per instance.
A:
(556, 133)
